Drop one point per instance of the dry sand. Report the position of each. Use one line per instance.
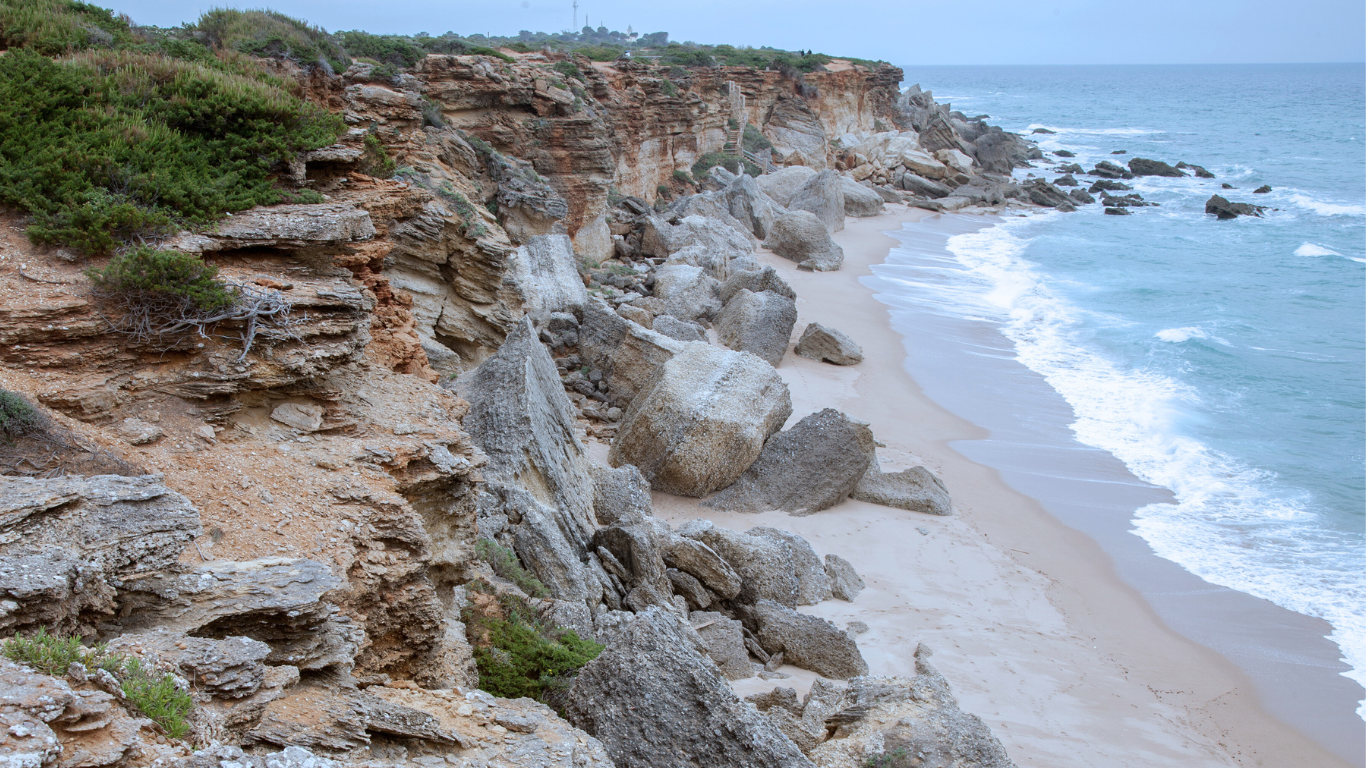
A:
(1027, 618)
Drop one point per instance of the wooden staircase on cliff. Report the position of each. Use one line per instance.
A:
(735, 137)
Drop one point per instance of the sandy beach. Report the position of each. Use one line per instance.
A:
(1027, 617)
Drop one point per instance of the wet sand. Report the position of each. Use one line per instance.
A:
(1029, 617)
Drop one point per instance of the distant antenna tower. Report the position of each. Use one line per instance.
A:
(576, 16)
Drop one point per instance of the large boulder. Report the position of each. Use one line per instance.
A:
(1000, 152)
(1144, 167)
(1048, 195)
(915, 489)
(764, 564)
(757, 280)
(801, 237)
(654, 701)
(695, 558)
(920, 185)
(758, 323)
(720, 264)
(1221, 207)
(955, 160)
(627, 353)
(828, 345)
(688, 293)
(723, 640)
(782, 185)
(812, 466)
(523, 421)
(807, 641)
(701, 420)
(822, 195)
(922, 164)
(751, 206)
(546, 272)
(682, 330)
(621, 495)
(70, 543)
(859, 200)
(813, 580)
(710, 205)
(662, 237)
(796, 132)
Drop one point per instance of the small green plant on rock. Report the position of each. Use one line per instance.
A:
(375, 160)
(155, 694)
(18, 417)
(505, 563)
(893, 759)
(144, 274)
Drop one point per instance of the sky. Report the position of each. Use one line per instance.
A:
(916, 32)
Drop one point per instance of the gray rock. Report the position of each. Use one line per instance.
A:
(1108, 185)
(915, 489)
(620, 495)
(44, 722)
(845, 582)
(783, 184)
(230, 668)
(757, 280)
(723, 641)
(1262, 190)
(813, 583)
(758, 323)
(808, 642)
(688, 293)
(670, 710)
(751, 206)
(280, 226)
(1117, 212)
(1080, 196)
(823, 196)
(828, 345)
(1045, 194)
(1224, 209)
(139, 432)
(636, 549)
(718, 264)
(800, 237)
(699, 560)
(1065, 181)
(546, 273)
(1144, 167)
(68, 544)
(859, 200)
(682, 330)
(888, 194)
(810, 467)
(523, 421)
(710, 205)
(689, 588)
(1000, 152)
(528, 205)
(660, 237)
(305, 418)
(1108, 170)
(701, 420)
(920, 185)
(765, 565)
(627, 353)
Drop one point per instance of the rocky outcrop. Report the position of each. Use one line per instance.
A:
(784, 184)
(1221, 207)
(920, 185)
(281, 226)
(828, 345)
(1042, 193)
(808, 641)
(67, 545)
(1144, 167)
(915, 489)
(547, 276)
(765, 565)
(757, 323)
(537, 472)
(750, 206)
(823, 196)
(812, 466)
(801, 237)
(661, 710)
(701, 420)
(628, 354)
(757, 281)
(859, 201)
(688, 292)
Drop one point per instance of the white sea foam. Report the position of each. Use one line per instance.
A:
(1060, 130)
(1313, 249)
(1231, 525)
(1327, 209)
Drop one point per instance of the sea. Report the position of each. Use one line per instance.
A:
(1224, 361)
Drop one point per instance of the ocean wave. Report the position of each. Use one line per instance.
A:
(1057, 129)
(1327, 209)
(1178, 335)
(1232, 524)
(1313, 249)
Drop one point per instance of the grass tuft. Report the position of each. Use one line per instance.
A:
(505, 563)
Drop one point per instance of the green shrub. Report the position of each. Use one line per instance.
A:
(505, 563)
(517, 654)
(375, 160)
(600, 52)
(112, 145)
(156, 695)
(663, 191)
(754, 140)
(18, 417)
(682, 176)
(267, 33)
(668, 88)
(144, 273)
(393, 50)
(707, 161)
(56, 27)
(569, 69)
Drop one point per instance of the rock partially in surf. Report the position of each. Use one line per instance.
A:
(1225, 209)
(1145, 167)
(1045, 194)
(1044, 130)
(922, 186)
(1117, 212)
(1080, 196)
(828, 345)
(915, 490)
(1120, 152)
(1064, 153)
(1198, 170)
(1071, 168)
(1133, 200)
(1108, 170)
(1262, 190)
(1065, 181)
(1108, 185)
(1227, 185)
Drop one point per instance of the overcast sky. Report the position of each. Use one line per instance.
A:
(900, 31)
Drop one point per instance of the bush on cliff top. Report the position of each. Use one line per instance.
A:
(271, 34)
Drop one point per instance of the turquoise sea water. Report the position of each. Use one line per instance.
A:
(1224, 360)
